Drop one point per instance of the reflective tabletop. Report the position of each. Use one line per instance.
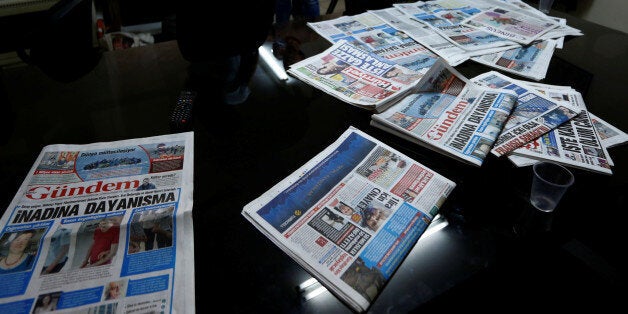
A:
(488, 249)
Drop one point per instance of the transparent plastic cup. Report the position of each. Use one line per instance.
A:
(549, 184)
(545, 5)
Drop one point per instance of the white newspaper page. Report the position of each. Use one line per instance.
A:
(368, 32)
(609, 134)
(530, 61)
(449, 114)
(423, 34)
(534, 114)
(449, 24)
(102, 228)
(510, 25)
(356, 76)
(351, 214)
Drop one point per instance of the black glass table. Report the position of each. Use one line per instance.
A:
(488, 249)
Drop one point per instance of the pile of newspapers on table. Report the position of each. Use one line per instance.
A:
(399, 63)
(351, 214)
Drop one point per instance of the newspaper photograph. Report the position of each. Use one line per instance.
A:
(534, 114)
(449, 114)
(355, 76)
(102, 228)
(351, 214)
(368, 32)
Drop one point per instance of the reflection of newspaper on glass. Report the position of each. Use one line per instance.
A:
(105, 225)
(530, 61)
(449, 114)
(351, 214)
(533, 116)
(510, 25)
(355, 76)
(368, 32)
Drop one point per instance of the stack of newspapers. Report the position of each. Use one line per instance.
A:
(406, 76)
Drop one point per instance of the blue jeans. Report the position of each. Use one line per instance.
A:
(308, 9)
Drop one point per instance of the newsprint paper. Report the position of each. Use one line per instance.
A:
(450, 114)
(351, 214)
(102, 228)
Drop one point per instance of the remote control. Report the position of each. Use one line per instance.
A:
(181, 116)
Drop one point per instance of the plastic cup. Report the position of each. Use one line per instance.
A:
(549, 183)
(545, 5)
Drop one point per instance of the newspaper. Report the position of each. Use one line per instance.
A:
(534, 115)
(575, 143)
(448, 22)
(449, 114)
(424, 35)
(355, 76)
(351, 214)
(609, 134)
(104, 228)
(530, 61)
(511, 25)
(368, 32)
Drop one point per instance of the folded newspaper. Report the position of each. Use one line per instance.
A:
(351, 214)
(576, 143)
(449, 114)
(102, 228)
(358, 77)
(534, 115)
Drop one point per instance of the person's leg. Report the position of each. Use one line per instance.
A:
(283, 10)
(310, 10)
(242, 70)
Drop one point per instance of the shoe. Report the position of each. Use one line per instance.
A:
(238, 96)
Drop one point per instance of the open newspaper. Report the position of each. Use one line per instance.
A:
(102, 228)
(369, 32)
(359, 77)
(449, 114)
(351, 214)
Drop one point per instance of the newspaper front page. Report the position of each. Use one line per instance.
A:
(575, 143)
(368, 32)
(530, 61)
(511, 25)
(449, 114)
(423, 34)
(448, 23)
(351, 214)
(102, 228)
(355, 76)
(534, 115)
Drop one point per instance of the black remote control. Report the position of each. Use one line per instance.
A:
(181, 117)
